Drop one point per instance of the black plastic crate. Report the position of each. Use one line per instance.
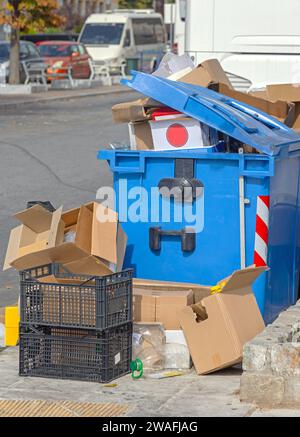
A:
(75, 301)
(79, 354)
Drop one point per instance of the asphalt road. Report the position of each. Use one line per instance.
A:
(48, 152)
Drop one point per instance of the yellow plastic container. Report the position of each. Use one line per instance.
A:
(12, 320)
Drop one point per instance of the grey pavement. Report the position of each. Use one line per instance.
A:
(215, 395)
(48, 152)
(188, 395)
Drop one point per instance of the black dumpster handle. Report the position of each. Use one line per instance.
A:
(187, 235)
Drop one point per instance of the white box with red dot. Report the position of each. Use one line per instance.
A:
(172, 130)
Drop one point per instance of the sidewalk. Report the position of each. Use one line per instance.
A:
(12, 101)
(189, 395)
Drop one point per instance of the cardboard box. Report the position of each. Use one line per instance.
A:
(282, 110)
(160, 306)
(39, 230)
(136, 110)
(98, 247)
(233, 319)
(172, 130)
(206, 73)
(140, 135)
(199, 291)
(287, 93)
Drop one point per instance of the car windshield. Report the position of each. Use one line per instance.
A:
(4, 51)
(102, 33)
(55, 50)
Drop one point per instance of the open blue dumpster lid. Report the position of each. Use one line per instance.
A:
(227, 115)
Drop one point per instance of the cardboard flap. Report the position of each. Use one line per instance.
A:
(104, 243)
(216, 72)
(243, 278)
(84, 229)
(13, 246)
(56, 233)
(208, 72)
(89, 265)
(36, 218)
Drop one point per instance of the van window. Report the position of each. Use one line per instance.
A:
(102, 33)
(148, 31)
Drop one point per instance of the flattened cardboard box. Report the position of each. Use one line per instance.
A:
(160, 306)
(98, 247)
(233, 318)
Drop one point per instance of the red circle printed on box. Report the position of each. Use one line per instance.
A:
(177, 135)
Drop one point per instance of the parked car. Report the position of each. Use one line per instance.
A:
(29, 53)
(123, 35)
(40, 37)
(60, 56)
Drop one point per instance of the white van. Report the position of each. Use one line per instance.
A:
(256, 39)
(125, 34)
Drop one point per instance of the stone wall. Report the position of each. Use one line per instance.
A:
(271, 363)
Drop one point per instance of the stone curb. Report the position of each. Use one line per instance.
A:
(271, 363)
(64, 96)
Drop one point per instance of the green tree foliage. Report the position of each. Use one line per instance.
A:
(26, 15)
(135, 4)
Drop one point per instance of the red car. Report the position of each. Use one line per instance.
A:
(62, 55)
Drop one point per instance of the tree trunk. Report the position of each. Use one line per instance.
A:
(14, 59)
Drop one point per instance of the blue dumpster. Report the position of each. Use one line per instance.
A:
(245, 209)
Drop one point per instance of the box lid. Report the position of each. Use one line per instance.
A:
(225, 114)
(242, 279)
